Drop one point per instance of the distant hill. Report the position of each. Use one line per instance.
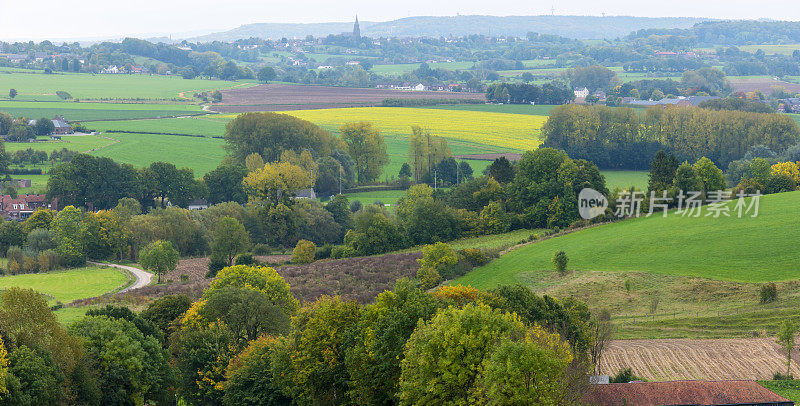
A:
(579, 27)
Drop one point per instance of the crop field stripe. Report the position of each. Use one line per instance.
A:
(514, 131)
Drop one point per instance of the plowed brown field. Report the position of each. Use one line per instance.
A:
(682, 359)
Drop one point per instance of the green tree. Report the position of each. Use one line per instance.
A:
(662, 171)
(164, 311)
(67, 228)
(709, 175)
(368, 149)
(250, 376)
(317, 344)
(224, 184)
(373, 361)
(12, 93)
(44, 126)
(687, 179)
(5, 123)
(269, 134)
(229, 239)
(438, 258)
(160, 257)
(533, 371)
(266, 74)
(592, 77)
(259, 278)
(116, 348)
(374, 231)
(32, 378)
(560, 261)
(787, 341)
(445, 357)
(20, 133)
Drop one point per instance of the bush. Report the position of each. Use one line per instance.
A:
(624, 376)
(778, 376)
(215, 264)
(304, 252)
(324, 251)
(768, 293)
(428, 277)
(245, 259)
(560, 261)
(262, 249)
(474, 256)
(342, 251)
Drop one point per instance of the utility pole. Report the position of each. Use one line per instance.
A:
(458, 173)
(434, 179)
(340, 178)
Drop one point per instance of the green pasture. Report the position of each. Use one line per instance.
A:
(208, 125)
(74, 111)
(73, 284)
(745, 249)
(626, 179)
(199, 153)
(99, 86)
(80, 143)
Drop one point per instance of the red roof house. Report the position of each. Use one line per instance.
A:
(684, 393)
(23, 206)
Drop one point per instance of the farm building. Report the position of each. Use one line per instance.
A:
(22, 206)
(581, 92)
(306, 194)
(679, 393)
(198, 204)
(60, 124)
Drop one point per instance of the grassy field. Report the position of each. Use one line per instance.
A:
(73, 111)
(66, 286)
(626, 179)
(81, 143)
(208, 125)
(726, 248)
(788, 389)
(512, 131)
(494, 241)
(31, 84)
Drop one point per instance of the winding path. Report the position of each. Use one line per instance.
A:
(142, 277)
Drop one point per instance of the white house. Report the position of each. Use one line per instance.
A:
(581, 92)
(420, 87)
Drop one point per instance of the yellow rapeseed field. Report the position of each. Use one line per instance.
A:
(513, 131)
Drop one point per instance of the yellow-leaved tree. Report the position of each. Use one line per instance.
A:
(276, 182)
(790, 169)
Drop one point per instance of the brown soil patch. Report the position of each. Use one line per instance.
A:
(763, 85)
(686, 359)
(279, 97)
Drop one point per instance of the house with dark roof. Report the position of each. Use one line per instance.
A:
(684, 393)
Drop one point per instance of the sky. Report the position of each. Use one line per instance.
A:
(97, 19)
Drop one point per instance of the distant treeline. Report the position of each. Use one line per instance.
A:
(523, 93)
(617, 138)
(427, 102)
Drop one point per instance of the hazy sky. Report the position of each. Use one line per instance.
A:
(56, 19)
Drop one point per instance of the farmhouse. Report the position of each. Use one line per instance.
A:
(22, 206)
(684, 393)
(60, 124)
(306, 194)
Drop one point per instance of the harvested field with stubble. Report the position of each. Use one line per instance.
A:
(279, 97)
(685, 359)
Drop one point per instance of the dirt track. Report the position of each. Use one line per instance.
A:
(681, 359)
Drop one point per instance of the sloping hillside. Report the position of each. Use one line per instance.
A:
(764, 248)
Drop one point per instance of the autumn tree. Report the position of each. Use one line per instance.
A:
(787, 341)
(368, 149)
(67, 228)
(160, 257)
(276, 182)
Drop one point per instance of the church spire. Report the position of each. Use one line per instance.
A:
(356, 29)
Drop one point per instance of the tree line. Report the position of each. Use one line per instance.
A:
(618, 138)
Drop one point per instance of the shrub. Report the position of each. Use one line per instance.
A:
(245, 259)
(474, 256)
(262, 249)
(778, 376)
(560, 261)
(324, 251)
(768, 293)
(215, 264)
(30, 265)
(304, 252)
(428, 277)
(624, 376)
(439, 257)
(342, 251)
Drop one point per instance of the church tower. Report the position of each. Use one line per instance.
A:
(356, 30)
